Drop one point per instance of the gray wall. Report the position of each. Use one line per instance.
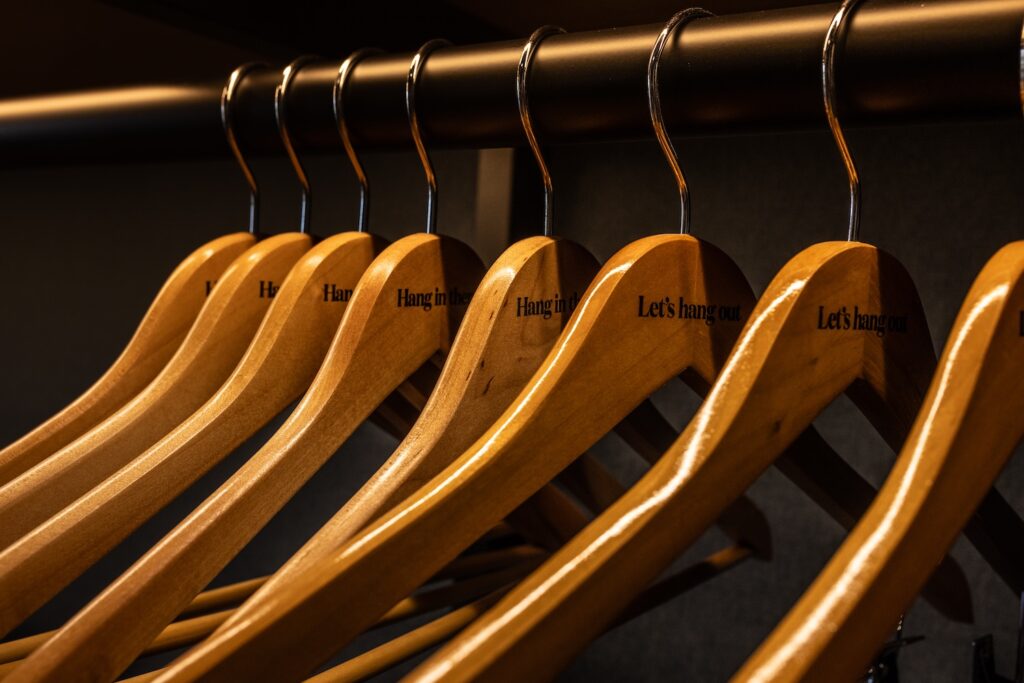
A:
(85, 248)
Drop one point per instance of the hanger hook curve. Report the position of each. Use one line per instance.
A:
(834, 37)
(340, 83)
(522, 99)
(227, 119)
(413, 79)
(280, 115)
(680, 18)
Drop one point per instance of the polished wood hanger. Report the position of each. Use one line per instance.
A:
(157, 337)
(277, 368)
(964, 434)
(206, 357)
(388, 331)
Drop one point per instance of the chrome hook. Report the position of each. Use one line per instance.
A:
(522, 99)
(344, 73)
(415, 66)
(227, 119)
(280, 111)
(654, 106)
(835, 35)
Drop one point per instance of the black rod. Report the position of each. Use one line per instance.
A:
(905, 61)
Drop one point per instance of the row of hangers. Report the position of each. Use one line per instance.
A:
(418, 337)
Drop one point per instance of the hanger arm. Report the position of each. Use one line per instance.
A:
(157, 337)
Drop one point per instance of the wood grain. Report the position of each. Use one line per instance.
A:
(157, 337)
(211, 350)
(274, 371)
(962, 438)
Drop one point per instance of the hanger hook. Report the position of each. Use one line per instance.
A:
(835, 36)
(280, 114)
(654, 106)
(344, 73)
(522, 99)
(227, 119)
(415, 67)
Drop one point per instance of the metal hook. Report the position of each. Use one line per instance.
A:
(344, 73)
(654, 106)
(280, 110)
(227, 119)
(522, 99)
(835, 35)
(415, 66)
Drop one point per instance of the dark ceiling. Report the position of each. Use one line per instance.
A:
(81, 44)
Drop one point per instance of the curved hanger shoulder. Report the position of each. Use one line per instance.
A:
(206, 357)
(963, 435)
(278, 366)
(404, 310)
(155, 340)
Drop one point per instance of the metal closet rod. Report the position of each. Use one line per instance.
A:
(905, 61)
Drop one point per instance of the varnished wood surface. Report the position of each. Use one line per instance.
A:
(378, 345)
(789, 363)
(211, 350)
(157, 337)
(606, 362)
(963, 436)
(278, 366)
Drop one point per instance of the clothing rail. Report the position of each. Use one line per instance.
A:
(904, 61)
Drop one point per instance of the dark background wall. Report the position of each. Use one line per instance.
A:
(85, 248)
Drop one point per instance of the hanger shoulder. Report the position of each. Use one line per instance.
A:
(155, 340)
(274, 371)
(389, 329)
(603, 365)
(964, 433)
(214, 345)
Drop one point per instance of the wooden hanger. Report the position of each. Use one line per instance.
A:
(963, 436)
(596, 358)
(157, 337)
(213, 347)
(405, 310)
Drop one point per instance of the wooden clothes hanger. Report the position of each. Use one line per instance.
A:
(278, 366)
(404, 310)
(155, 340)
(597, 357)
(839, 317)
(962, 438)
(215, 343)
